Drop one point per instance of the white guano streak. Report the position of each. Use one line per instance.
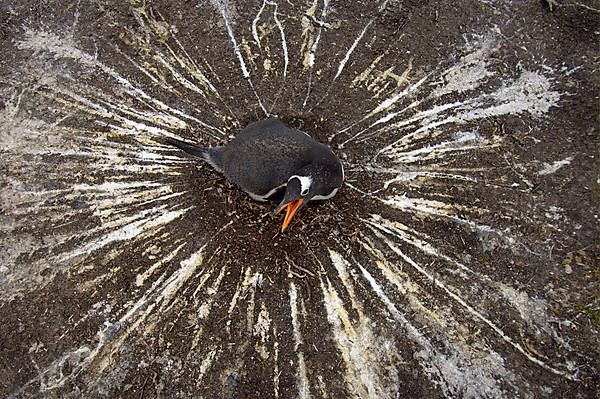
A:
(127, 232)
(238, 53)
(107, 339)
(456, 297)
(63, 48)
(283, 41)
(351, 50)
(301, 376)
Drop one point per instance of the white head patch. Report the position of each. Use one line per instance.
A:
(305, 182)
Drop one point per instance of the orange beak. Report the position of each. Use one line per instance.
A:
(291, 209)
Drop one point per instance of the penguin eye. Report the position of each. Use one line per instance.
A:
(304, 192)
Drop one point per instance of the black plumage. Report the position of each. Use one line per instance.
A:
(266, 156)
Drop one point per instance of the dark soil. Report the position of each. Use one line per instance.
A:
(128, 269)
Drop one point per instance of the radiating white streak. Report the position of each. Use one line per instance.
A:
(190, 65)
(113, 334)
(315, 45)
(364, 193)
(432, 208)
(205, 303)
(152, 114)
(452, 372)
(240, 290)
(105, 209)
(206, 364)
(351, 50)
(196, 288)
(421, 132)
(454, 294)
(307, 36)
(405, 176)
(133, 168)
(100, 154)
(182, 80)
(53, 214)
(411, 237)
(128, 127)
(430, 131)
(470, 72)
(411, 331)
(105, 204)
(285, 54)
(342, 65)
(98, 141)
(187, 63)
(127, 232)
(111, 157)
(301, 375)
(429, 207)
(251, 281)
(251, 304)
(146, 72)
(261, 331)
(530, 93)
(360, 136)
(161, 292)
(276, 371)
(341, 266)
(187, 270)
(113, 229)
(236, 49)
(537, 313)
(203, 311)
(411, 172)
(193, 69)
(458, 360)
(283, 41)
(64, 48)
(310, 56)
(388, 103)
(461, 142)
(255, 24)
(549, 169)
(110, 186)
(402, 124)
(358, 345)
(140, 279)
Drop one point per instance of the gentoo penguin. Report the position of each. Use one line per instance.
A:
(268, 159)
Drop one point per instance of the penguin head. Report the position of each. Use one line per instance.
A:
(310, 183)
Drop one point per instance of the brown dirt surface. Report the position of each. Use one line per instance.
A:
(459, 259)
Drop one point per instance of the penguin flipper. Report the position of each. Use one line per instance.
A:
(210, 155)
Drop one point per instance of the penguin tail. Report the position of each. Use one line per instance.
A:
(191, 149)
(210, 155)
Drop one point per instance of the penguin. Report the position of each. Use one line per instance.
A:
(268, 160)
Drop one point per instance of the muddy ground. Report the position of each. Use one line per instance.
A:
(458, 259)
